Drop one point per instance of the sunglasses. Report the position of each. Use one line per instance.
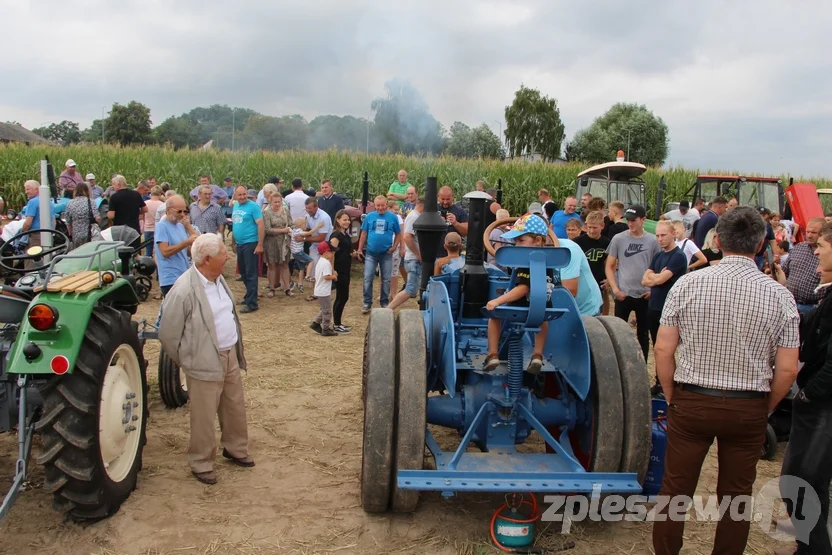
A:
(179, 211)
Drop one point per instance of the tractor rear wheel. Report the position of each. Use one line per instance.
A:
(411, 417)
(379, 392)
(635, 387)
(93, 428)
(597, 441)
(173, 388)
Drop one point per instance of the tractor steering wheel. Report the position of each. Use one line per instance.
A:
(8, 258)
(486, 238)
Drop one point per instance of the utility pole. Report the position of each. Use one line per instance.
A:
(233, 126)
(501, 131)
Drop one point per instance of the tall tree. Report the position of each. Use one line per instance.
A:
(480, 142)
(348, 133)
(403, 122)
(66, 132)
(179, 132)
(128, 125)
(629, 127)
(533, 125)
(219, 120)
(268, 133)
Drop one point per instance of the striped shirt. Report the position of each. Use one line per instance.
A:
(731, 319)
(802, 276)
(208, 220)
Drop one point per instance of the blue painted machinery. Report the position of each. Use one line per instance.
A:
(583, 425)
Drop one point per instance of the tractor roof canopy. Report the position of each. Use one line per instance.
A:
(618, 171)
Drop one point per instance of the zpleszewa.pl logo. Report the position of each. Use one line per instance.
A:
(800, 499)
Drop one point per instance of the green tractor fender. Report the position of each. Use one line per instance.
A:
(64, 337)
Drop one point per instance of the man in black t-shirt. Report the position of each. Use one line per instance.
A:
(595, 246)
(126, 205)
(616, 223)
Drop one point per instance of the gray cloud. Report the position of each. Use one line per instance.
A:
(741, 86)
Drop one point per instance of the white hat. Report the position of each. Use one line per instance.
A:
(70, 163)
(89, 176)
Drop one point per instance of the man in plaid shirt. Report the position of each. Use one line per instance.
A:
(729, 325)
(801, 268)
(205, 215)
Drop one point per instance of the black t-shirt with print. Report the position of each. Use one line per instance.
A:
(596, 254)
(524, 278)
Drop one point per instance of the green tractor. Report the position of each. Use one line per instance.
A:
(613, 181)
(72, 369)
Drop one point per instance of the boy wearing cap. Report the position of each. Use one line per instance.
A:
(447, 264)
(528, 231)
(628, 258)
(324, 276)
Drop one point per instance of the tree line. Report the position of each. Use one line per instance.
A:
(402, 123)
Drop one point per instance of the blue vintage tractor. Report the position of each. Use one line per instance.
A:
(589, 407)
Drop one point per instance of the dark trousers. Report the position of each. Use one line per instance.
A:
(165, 289)
(247, 260)
(808, 457)
(639, 305)
(342, 292)
(694, 420)
(653, 317)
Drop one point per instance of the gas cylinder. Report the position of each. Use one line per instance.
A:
(655, 470)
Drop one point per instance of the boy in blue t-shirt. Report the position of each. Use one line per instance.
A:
(381, 234)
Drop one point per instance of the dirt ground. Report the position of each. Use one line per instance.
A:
(303, 396)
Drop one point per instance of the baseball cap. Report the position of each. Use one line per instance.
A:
(89, 176)
(764, 211)
(684, 205)
(528, 224)
(252, 194)
(70, 163)
(536, 208)
(635, 211)
(273, 179)
(323, 247)
(453, 238)
(227, 180)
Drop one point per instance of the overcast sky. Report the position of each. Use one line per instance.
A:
(742, 85)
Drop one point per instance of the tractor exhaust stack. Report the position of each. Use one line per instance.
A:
(474, 276)
(430, 228)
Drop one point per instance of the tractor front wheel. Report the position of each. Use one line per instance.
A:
(94, 421)
(173, 388)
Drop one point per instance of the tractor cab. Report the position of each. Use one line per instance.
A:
(613, 181)
(749, 191)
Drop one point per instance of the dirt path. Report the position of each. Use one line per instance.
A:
(303, 397)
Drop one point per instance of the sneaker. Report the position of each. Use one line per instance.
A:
(384, 306)
(365, 309)
(246, 309)
(535, 364)
(342, 329)
(329, 332)
(314, 326)
(300, 287)
(491, 363)
(292, 285)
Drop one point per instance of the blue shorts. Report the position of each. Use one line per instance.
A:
(414, 276)
(300, 260)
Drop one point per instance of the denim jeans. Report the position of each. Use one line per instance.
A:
(803, 308)
(808, 455)
(384, 262)
(247, 260)
(414, 276)
(148, 250)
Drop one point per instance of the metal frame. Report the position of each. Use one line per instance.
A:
(24, 449)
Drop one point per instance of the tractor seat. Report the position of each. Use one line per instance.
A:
(520, 314)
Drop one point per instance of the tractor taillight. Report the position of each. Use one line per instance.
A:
(42, 317)
(59, 364)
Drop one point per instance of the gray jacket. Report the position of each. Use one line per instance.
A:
(187, 331)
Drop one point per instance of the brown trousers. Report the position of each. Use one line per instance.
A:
(209, 399)
(694, 420)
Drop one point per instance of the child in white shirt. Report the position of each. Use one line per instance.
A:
(324, 276)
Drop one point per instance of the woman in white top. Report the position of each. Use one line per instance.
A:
(688, 247)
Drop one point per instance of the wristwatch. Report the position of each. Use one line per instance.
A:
(802, 396)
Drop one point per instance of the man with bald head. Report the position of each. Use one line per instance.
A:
(398, 189)
(126, 205)
(172, 236)
(454, 214)
(248, 231)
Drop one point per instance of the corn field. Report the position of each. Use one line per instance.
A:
(182, 169)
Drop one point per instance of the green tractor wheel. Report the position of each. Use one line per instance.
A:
(94, 421)
(173, 388)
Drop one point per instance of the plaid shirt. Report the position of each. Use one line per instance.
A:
(801, 268)
(208, 220)
(731, 319)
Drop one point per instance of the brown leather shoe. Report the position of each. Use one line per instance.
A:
(206, 477)
(246, 461)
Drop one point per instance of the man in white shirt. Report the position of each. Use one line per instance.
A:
(296, 201)
(685, 215)
(314, 216)
(412, 259)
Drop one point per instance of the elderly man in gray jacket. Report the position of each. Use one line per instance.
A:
(200, 331)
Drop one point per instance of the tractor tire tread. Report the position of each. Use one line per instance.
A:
(170, 385)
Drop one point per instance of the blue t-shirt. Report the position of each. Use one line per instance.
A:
(676, 262)
(588, 299)
(706, 223)
(33, 210)
(559, 220)
(244, 218)
(380, 231)
(177, 264)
